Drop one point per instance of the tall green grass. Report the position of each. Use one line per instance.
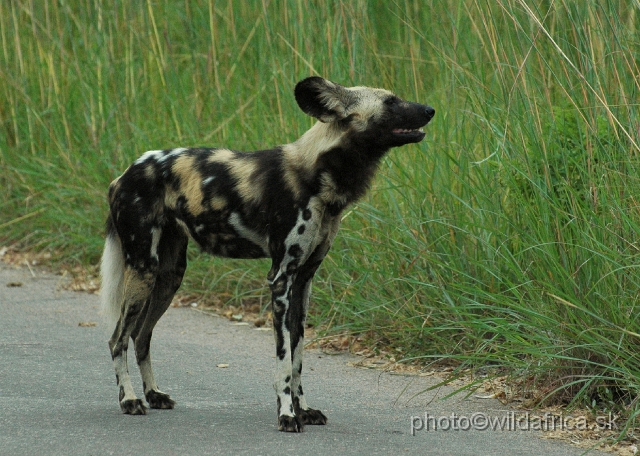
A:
(508, 238)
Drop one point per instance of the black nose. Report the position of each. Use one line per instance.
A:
(430, 112)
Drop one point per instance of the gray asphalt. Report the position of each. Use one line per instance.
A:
(58, 394)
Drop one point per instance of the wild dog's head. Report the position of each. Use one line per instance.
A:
(374, 115)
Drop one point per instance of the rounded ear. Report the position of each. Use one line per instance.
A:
(322, 99)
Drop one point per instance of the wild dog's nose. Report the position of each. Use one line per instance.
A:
(430, 112)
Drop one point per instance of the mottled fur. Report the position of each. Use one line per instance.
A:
(282, 203)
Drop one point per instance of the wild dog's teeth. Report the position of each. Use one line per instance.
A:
(404, 130)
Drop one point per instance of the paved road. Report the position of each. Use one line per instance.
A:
(58, 393)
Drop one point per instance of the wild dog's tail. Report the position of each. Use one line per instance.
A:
(112, 273)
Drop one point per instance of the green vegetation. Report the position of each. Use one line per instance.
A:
(508, 238)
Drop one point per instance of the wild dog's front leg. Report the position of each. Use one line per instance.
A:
(280, 283)
(300, 299)
(295, 261)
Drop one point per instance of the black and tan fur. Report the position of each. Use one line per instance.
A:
(282, 203)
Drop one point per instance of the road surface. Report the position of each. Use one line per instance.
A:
(58, 394)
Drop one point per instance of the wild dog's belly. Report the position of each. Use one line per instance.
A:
(223, 239)
(223, 234)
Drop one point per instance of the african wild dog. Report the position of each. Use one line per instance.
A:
(282, 203)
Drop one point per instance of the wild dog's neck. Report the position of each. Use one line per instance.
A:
(328, 160)
(304, 152)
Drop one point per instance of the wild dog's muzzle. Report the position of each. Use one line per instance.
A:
(417, 117)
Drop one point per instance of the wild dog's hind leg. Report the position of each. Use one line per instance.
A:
(172, 256)
(137, 288)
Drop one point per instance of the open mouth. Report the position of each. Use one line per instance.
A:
(410, 134)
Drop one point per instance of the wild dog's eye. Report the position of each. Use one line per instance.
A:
(391, 101)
